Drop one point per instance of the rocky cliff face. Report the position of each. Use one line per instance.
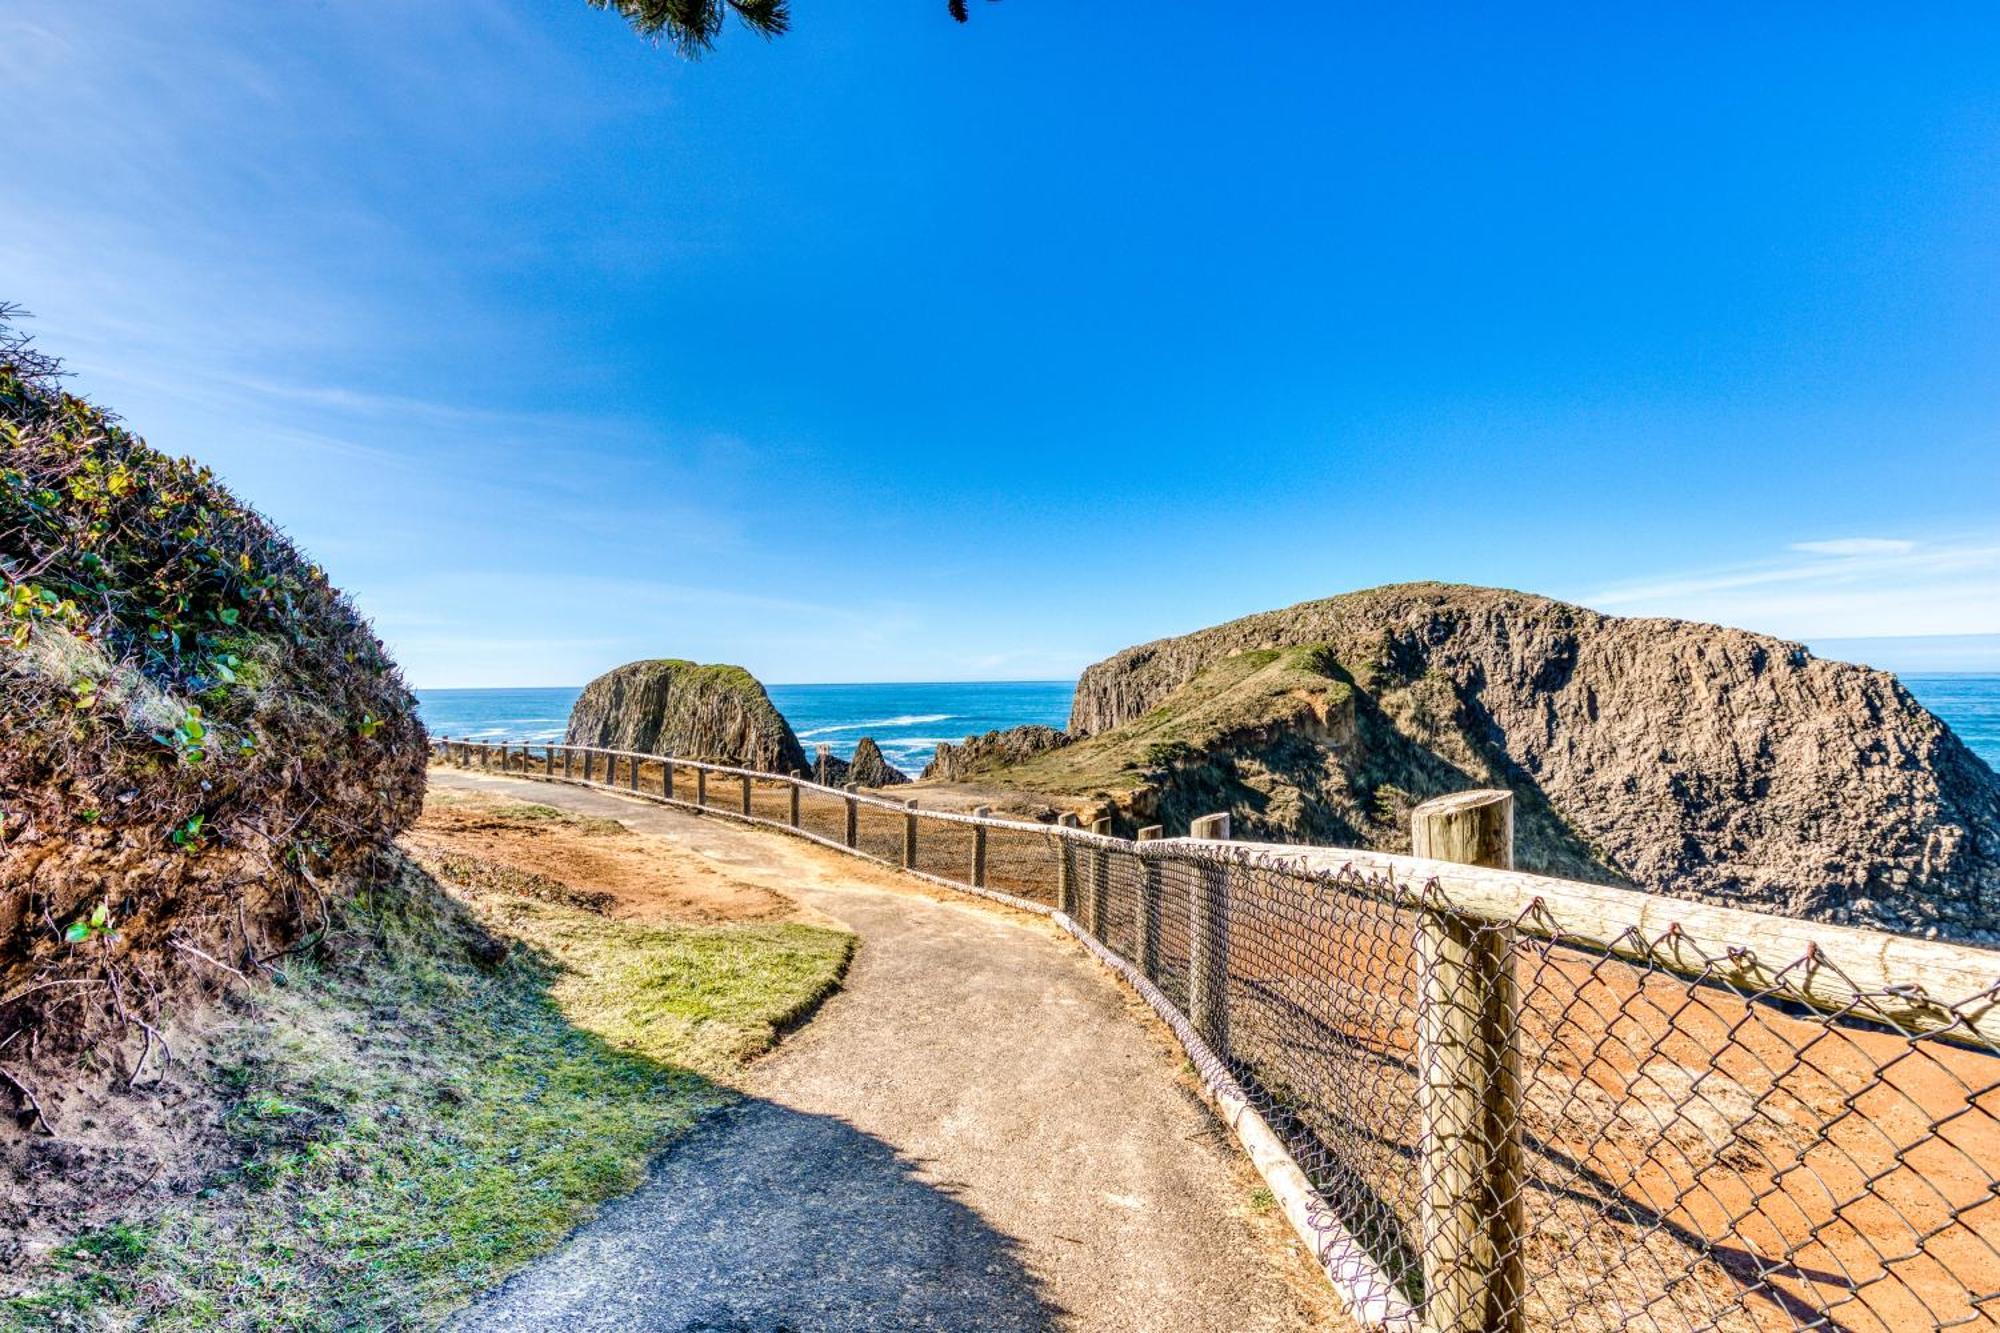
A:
(869, 769)
(1682, 758)
(666, 706)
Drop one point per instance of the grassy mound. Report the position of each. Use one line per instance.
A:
(414, 1119)
(203, 735)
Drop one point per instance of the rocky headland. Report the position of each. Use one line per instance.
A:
(1681, 758)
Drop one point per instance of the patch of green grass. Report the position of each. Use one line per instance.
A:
(410, 1125)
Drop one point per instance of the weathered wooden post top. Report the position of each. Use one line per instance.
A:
(1472, 828)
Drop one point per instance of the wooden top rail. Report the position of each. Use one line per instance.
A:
(1951, 990)
(900, 807)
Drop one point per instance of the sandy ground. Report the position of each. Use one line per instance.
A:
(983, 1130)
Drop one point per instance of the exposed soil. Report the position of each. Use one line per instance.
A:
(627, 874)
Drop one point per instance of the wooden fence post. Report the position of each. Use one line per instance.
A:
(548, 761)
(569, 762)
(853, 817)
(910, 835)
(1469, 1082)
(632, 778)
(746, 793)
(1208, 939)
(1097, 891)
(1149, 907)
(667, 778)
(793, 788)
(979, 846)
(1066, 867)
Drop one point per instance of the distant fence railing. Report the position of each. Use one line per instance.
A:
(1492, 1100)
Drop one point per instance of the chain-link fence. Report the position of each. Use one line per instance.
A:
(1494, 1101)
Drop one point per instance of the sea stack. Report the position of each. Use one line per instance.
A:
(717, 713)
(869, 769)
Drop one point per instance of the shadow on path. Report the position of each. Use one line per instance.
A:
(764, 1219)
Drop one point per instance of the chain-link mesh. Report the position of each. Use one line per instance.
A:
(1504, 1124)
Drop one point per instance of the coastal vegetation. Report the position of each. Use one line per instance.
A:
(206, 743)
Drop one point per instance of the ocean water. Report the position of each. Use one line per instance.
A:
(908, 721)
(1968, 704)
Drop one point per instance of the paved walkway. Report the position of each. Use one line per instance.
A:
(975, 1133)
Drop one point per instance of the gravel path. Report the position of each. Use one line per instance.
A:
(978, 1132)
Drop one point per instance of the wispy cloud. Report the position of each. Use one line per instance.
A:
(1857, 546)
(1835, 587)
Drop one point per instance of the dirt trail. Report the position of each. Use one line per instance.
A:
(978, 1132)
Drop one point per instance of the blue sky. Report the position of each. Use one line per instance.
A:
(901, 350)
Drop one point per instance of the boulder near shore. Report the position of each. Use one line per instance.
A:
(1682, 758)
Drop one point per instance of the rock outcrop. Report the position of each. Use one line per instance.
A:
(719, 714)
(957, 763)
(1681, 758)
(869, 769)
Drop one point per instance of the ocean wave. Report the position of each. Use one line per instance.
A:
(909, 720)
